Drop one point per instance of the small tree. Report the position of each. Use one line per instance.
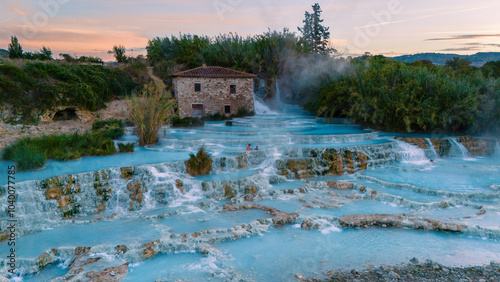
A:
(67, 58)
(46, 54)
(149, 110)
(119, 53)
(15, 49)
(458, 64)
(314, 34)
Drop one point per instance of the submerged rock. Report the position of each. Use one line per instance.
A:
(44, 260)
(229, 192)
(340, 185)
(127, 172)
(81, 250)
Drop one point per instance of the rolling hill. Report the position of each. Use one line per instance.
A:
(477, 59)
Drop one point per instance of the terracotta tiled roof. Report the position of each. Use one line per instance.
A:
(213, 72)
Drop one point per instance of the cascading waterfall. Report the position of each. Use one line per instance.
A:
(434, 154)
(260, 107)
(411, 153)
(259, 104)
(458, 150)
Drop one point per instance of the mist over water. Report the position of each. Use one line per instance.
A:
(302, 74)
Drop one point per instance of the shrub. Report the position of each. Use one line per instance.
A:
(98, 145)
(126, 147)
(28, 157)
(112, 128)
(150, 108)
(137, 70)
(187, 122)
(199, 164)
(216, 117)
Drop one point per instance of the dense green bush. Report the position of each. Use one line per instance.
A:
(491, 69)
(58, 147)
(199, 164)
(126, 147)
(112, 128)
(187, 122)
(395, 96)
(34, 88)
(28, 157)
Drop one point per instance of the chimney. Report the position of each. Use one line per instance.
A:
(203, 64)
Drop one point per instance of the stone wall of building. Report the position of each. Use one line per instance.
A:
(214, 94)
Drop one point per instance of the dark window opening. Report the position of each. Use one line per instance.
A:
(227, 109)
(66, 114)
(232, 89)
(197, 87)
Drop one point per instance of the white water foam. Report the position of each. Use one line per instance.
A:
(261, 108)
(191, 196)
(411, 154)
(208, 264)
(326, 227)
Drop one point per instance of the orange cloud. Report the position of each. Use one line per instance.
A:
(17, 10)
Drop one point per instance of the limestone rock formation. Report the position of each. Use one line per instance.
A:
(398, 220)
(280, 217)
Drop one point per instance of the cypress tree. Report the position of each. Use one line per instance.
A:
(314, 35)
(15, 49)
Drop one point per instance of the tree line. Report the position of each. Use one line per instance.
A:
(417, 97)
(262, 54)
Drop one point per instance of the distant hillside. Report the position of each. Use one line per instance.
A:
(4, 53)
(477, 59)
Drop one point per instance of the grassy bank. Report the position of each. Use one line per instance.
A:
(31, 153)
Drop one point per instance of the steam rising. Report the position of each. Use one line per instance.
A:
(302, 75)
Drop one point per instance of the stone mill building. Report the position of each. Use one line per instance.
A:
(209, 90)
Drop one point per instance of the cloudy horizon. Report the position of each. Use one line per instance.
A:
(388, 27)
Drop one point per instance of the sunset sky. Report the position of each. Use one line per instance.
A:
(388, 27)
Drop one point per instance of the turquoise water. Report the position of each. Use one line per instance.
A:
(443, 177)
(115, 232)
(243, 245)
(188, 266)
(273, 256)
(141, 156)
(198, 221)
